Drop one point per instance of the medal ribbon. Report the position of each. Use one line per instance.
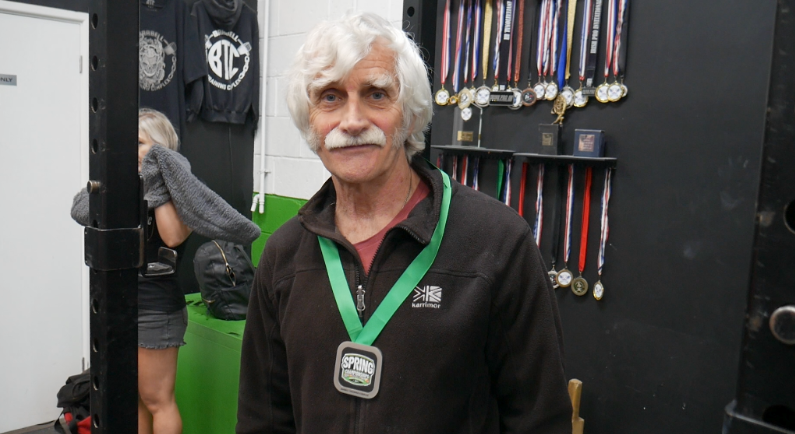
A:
(541, 44)
(522, 183)
(500, 173)
(459, 36)
(587, 19)
(486, 37)
(465, 170)
(466, 49)
(455, 168)
(539, 206)
(400, 291)
(569, 209)
(507, 196)
(476, 43)
(510, 18)
(519, 21)
(605, 227)
(446, 43)
(572, 13)
(553, 41)
(564, 43)
(586, 216)
(593, 50)
(497, 39)
(620, 51)
(475, 174)
(611, 36)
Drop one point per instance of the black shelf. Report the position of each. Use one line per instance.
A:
(470, 150)
(568, 159)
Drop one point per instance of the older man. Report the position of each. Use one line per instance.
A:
(396, 301)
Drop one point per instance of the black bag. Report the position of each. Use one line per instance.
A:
(224, 273)
(75, 400)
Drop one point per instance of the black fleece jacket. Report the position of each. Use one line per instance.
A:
(484, 357)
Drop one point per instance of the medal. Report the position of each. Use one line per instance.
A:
(599, 289)
(568, 95)
(580, 285)
(529, 97)
(454, 98)
(542, 47)
(565, 276)
(483, 93)
(578, 98)
(358, 364)
(475, 58)
(517, 102)
(614, 92)
(464, 100)
(566, 91)
(619, 90)
(466, 114)
(518, 97)
(603, 91)
(551, 91)
(552, 87)
(442, 96)
(482, 97)
(465, 95)
(553, 277)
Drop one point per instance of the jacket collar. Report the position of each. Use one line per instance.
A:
(317, 215)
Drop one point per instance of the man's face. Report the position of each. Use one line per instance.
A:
(353, 109)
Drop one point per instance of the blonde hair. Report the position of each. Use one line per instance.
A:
(157, 126)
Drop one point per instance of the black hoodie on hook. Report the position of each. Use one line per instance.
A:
(230, 36)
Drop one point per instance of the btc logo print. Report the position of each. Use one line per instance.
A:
(228, 58)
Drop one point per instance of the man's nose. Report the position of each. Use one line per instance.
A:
(354, 121)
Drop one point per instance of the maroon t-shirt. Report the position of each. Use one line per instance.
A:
(369, 247)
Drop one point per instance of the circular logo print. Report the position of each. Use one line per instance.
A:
(156, 56)
(227, 58)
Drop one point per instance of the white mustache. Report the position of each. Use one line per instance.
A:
(371, 136)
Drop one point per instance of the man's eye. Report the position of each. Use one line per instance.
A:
(329, 97)
(379, 95)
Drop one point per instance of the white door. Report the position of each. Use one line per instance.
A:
(42, 165)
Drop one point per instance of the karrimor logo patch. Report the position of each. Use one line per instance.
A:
(428, 296)
(357, 369)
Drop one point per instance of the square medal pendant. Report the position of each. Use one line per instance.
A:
(358, 370)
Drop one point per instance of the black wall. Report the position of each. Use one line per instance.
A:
(659, 354)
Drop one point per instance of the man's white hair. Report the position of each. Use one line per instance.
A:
(331, 51)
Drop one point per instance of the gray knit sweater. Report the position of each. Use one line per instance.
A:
(167, 177)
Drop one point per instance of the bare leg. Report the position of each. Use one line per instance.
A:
(157, 373)
(144, 419)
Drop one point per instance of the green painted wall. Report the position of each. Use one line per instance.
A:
(278, 210)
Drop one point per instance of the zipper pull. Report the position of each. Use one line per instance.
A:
(360, 300)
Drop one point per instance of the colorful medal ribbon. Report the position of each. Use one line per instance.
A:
(465, 170)
(446, 43)
(541, 44)
(497, 39)
(486, 37)
(599, 288)
(539, 206)
(554, 39)
(569, 209)
(459, 37)
(611, 36)
(455, 168)
(517, 69)
(469, 31)
(507, 36)
(500, 173)
(522, 183)
(564, 43)
(622, 30)
(507, 197)
(476, 43)
(593, 49)
(572, 12)
(586, 216)
(475, 174)
(584, 33)
(400, 290)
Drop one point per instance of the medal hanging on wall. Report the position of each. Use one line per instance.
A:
(618, 90)
(529, 96)
(483, 93)
(566, 91)
(580, 286)
(542, 48)
(506, 197)
(588, 59)
(557, 222)
(465, 96)
(517, 54)
(539, 221)
(565, 276)
(581, 100)
(457, 64)
(602, 94)
(599, 288)
(560, 105)
(442, 96)
(551, 92)
(474, 7)
(500, 95)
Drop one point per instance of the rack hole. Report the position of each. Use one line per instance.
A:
(95, 224)
(95, 382)
(95, 305)
(94, 146)
(410, 11)
(94, 105)
(95, 345)
(95, 420)
(94, 20)
(789, 216)
(94, 63)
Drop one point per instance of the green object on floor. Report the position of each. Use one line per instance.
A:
(208, 371)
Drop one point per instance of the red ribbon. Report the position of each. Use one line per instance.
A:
(586, 214)
(521, 189)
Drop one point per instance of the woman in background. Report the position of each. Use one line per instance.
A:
(162, 315)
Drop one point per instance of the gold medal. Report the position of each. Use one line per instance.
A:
(482, 97)
(579, 286)
(614, 92)
(624, 90)
(564, 278)
(453, 100)
(568, 94)
(464, 98)
(598, 290)
(580, 100)
(442, 97)
(551, 92)
(602, 94)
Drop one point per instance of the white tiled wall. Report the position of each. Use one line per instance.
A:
(294, 170)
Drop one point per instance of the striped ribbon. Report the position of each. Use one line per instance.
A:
(617, 50)
(455, 168)
(459, 36)
(569, 209)
(475, 174)
(605, 227)
(541, 43)
(611, 35)
(465, 170)
(587, 20)
(446, 43)
(498, 38)
(476, 42)
(507, 197)
(469, 30)
(539, 206)
(554, 38)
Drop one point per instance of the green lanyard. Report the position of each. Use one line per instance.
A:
(405, 284)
